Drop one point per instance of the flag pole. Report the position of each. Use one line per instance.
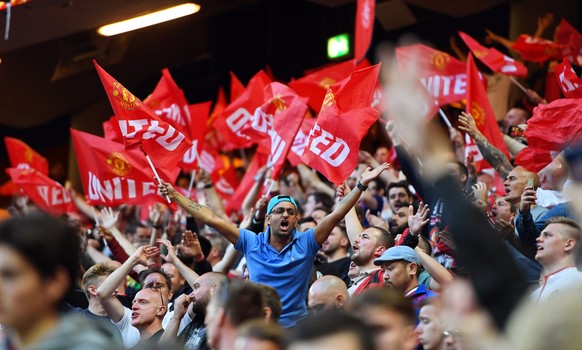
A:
(444, 117)
(192, 176)
(518, 84)
(270, 186)
(155, 171)
(95, 216)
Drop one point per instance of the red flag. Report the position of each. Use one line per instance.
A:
(300, 141)
(113, 176)
(46, 193)
(568, 36)
(236, 87)
(494, 59)
(235, 202)
(111, 130)
(444, 77)
(225, 181)
(140, 125)
(9, 189)
(537, 49)
(240, 112)
(480, 108)
(569, 82)
(365, 14)
(315, 84)
(199, 116)
(22, 156)
(275, 123)
(344, 119)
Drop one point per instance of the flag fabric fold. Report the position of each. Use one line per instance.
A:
(365, 15)
(22, 156)
(569, 82)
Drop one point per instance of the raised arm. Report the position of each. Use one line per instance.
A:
(201, 213)
(353, 225)
(106, 290)
(492, 154)
(323, 230)
(109, 219)
(189, 275)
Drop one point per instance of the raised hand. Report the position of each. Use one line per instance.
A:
(528, 198)
(171, 257)
(105, 233)
(375, 220)
(480, 191)
(342, 190)
(190, 245)
(468, 125)
(144, 253)
(368, 175)
(417, 221)
(166, 189)
(109, 218)
(155, 214)
(181, 304)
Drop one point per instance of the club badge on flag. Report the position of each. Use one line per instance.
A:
(22, 156)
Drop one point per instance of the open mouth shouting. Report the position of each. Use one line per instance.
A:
(284, 225)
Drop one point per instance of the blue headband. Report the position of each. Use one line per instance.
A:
(278, 199)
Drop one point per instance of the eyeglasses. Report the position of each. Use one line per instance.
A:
(159, 289)
(281, 211)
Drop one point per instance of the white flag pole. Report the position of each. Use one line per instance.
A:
(156, 174)
(444, 117)
(518, 84)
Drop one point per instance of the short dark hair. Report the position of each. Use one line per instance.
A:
(263, 330)
(385, 238)
(241, 301)
(324, 199)
(271, 300)
(328, 323)
(306, 220)
(153, 269)
(386, 298)
(463, 169)
(46, 243)
(399, 184)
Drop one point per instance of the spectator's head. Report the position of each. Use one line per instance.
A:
(516, 182)
(459, 171)
(400, 220)
(234, 303)
(430, 327)
(336, 241)
(487, 179)
(370, 244)
(205, 287)
(219, 244)
(515, 116)
(39, 262)
(389, 315)
(331, 330)
(328, 292)
(558, 243)
(282, 215)
(377, 187)
(138, 233)
(554, 175)
(401, 268)
(314, 200)
(176, 279)
(148, 309)
(504, 210)
(156, 278)
(319, 213)
(306, 223)
(272, 306)
(382, 154)
(354, 270)
(399, 195)
(94, 277)
(259, 335)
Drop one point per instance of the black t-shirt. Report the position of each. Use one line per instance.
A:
(194, 336)
(339, 268)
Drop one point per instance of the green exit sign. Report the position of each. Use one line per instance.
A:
(338, 46)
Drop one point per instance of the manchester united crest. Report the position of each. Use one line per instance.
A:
(480, 54)
(478, 114)
(439, 60)
(118, 164)
(28, 155)
(326, 82)
(328, 101)
(125, 98)
(279, 103)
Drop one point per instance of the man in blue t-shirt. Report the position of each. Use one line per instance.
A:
(281, 257)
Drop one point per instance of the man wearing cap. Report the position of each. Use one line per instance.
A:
(280, 257)
(401, 267)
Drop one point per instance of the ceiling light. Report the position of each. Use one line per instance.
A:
(149, 19)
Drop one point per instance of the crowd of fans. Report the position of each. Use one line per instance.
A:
(423, 253)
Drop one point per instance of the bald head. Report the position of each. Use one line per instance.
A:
(554, 175)
(328, 292)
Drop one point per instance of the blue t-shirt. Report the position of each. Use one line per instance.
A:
(287, 271)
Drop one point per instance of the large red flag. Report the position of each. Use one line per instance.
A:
(569, 82)
(111, 130)
(551, 127)
(22, 156)
(112, 175)
(444, 77)
(240, 112)
(300, 141)
(365, 14)
(46, 193)
(568, 36)
(199, 116)
(235, 202)
(141, 126)
(275, 123)
(315, 84)
(480, 108)
(537, 49)
(494, 59)
(344, 119)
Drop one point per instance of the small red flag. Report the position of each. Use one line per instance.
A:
(46, 193)
(537, 49)
(9, 189)
(494, 59)
(365, 14)
(568, 36)
(480, 108)
(443, 76)
(235, 202)
(141, 126)
(22, 156)
(315, 84)
(344, 119)
(199, 116)
(569, 82)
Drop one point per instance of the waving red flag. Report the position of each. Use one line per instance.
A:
(236, 87)
(113, 176)
(300, 141)
(235, 202)
(111, 130)
(22, 156)
(199, 115)
(344, 119)
(46, 193)
(569, 82)
(494, 59)
(551, 127)
(568, 36)
(315, 84)
(240, 112)
(141, 126)
(444, 77)
(275, 123)
(480, 108)
(9, 189)
(537, 49)
(365, 14)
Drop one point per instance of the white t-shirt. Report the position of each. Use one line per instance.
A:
(550, 198)
(556, 283)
